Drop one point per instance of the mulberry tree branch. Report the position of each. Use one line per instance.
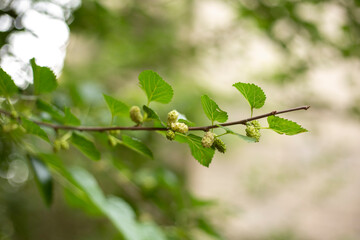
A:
(139, 128)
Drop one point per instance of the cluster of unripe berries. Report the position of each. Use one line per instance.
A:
(211, 140)
(174, 125)
(253, 130)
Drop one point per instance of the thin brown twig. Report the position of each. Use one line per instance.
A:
(139, 128)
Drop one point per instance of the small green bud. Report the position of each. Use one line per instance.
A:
(114, 132)
(64, 145)
(112, 140)
(135, 114)
(208, 139)
(219, 145)
(57, 145)
(170, 134)
(179, 127)
(14, 114)
(172, 117)
(253, 132)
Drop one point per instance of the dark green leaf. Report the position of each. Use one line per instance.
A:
(43, 179)
(246, 138)
(7, 85)
(116, 107)
(50, 109)
(212, 110)
(85, 146)
(44, 78)
(203, 155)
(253, 94)
(70, 119)
(284, 126)
(155, 87)
(33, 128)
(151, 114)
(136, 145)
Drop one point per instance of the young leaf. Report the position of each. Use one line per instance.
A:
(212, 110)
(7, 85)
(151, 114)
(85, 146)
(136, 145)
(44, 78)
(50, 109)
(116, 107)
(155, 87)
(70, 118)
(33, 128)
(43, 179)
(183, 119)
(203, 155)
(284, 126)
(246, 138)
(253, 94)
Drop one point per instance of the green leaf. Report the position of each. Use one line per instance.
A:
(253, 94)
(155, 87)
(183, 119)
(44, 78)
(136, 145)
(203, 155)
(85, 146)
(151, 114)
(50, 109)
(284, 126)
(116, 107)
(70, 118)
(33, 128)
(7, 85)
(243, 137)
(212, 110)
(43, 179)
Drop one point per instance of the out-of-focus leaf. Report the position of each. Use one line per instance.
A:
(70, 118)
(116, 107)
(155, 87)
(136, 145)
(252, 93)
(246, 138)
(284, 126)
(203, 155)
(85, 146)
(43, 179)
(44, 78)
(208, 228)
(212, 110)
(33, 128)
(7, 85)
(50, 109)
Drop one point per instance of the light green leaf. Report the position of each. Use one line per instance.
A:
(116, 107)
(7, 85)
(43, 179)
(50, 109)
(85, 146)
(70, 118)
(117, 210)
(44, 78)
(212, 110)
(151, 114)
(284, 126)
(33, 128)
(155, 87)
(136, 145)
(246, 138)
(203, 155)
(253, 94)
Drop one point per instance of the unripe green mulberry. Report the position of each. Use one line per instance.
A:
(219, 145)
(135, 114)
(256, 124)
(170, 134)
(208, 139)
(172, 117)
(253, 132)
(179, 127)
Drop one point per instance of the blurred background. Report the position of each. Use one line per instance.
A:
(283, 188)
